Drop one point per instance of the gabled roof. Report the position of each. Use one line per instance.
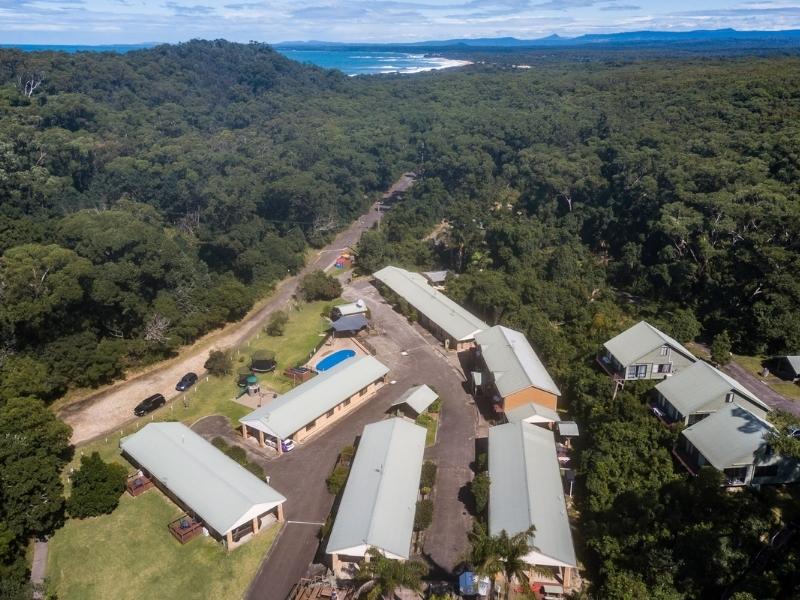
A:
(730, 437)
(568, 429)
(436, 277)
(350, 323)
(794, 362)
(641, 339)
(454, 320)
(418, 397)
(532, 413)
(513, 363)
(698, 387)
(312, 399)
(218, 489)
(380, 498)
(526, 489)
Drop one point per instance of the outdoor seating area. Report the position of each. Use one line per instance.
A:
(185, 528)
(138, 484)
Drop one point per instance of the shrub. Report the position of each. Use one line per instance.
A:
(480, 491)
(220, 443)
(482, 462)
(96, 487)
(255, 469)
(277, 323)
(424, 515)
(424, 420)
(337, 479)
(219, 363)
(721, 348)
(318, 285)
(347, 453)
(428, 476)
(238, 454)
(436, 406)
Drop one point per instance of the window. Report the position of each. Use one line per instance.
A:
(362, 392)
(665, 368)
(729, 397)
(329, 414)
(767, 471)
(664, 350)
(346, 402)
(637, 371)
(311, 425)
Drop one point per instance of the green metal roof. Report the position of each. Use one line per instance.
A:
(633, 343)
(526, 489)
(218, 489)
(308, 401)
(702, 388)
(513, 363)
(730, 437)
(380, 498)
(454, 320)
(418, 397)
(532, 413)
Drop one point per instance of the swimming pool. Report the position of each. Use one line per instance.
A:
(334, 359)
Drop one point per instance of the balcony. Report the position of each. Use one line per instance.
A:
(138, 484)
(185, 528)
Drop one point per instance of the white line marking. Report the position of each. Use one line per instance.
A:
(304, 523)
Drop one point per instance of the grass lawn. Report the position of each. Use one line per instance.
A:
(299, 340)
(430, 421)
(214, 396)
(130, 554)
(752, 364)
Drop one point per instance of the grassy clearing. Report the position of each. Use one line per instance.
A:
(130, 554)
(304, 333)
(752, 364)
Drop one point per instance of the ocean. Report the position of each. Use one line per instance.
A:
(361, 62)
(350, 62)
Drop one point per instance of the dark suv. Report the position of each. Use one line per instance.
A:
(186, 382)
(148, 405)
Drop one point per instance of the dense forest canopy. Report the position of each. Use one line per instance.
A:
(147, 198)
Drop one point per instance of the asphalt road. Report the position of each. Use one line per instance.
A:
(300, 475)
(111, 408)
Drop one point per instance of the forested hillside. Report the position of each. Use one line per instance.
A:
(146, 198)
(149, 197)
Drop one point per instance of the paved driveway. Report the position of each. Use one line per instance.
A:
(300, 474)
(772, 398)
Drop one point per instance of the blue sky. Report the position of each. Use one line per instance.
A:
(131, 21)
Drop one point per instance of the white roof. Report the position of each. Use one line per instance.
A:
(310, 400)
(730, 437)
(641, 339)
(418, 397)
(218, 489)
(352, 308)
(513, 363)
(532, 413)
(700, 387)
(454, 320)
(380, 498)
(526, 489)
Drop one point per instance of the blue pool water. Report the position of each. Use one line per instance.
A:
(334, 359)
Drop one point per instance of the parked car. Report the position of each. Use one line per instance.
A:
(149, 404)
(186, 382)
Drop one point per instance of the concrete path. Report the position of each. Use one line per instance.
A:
(300, 474)
(38, 567)
(112, 408)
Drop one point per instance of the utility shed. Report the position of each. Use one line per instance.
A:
(526, 489)
(446, 319)
(733, 441)
(418, 398)
(514, 368)
(701, 390)
(359, 307)
(644, 352)
(232, 502)
(379, 501)
(315, 404)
